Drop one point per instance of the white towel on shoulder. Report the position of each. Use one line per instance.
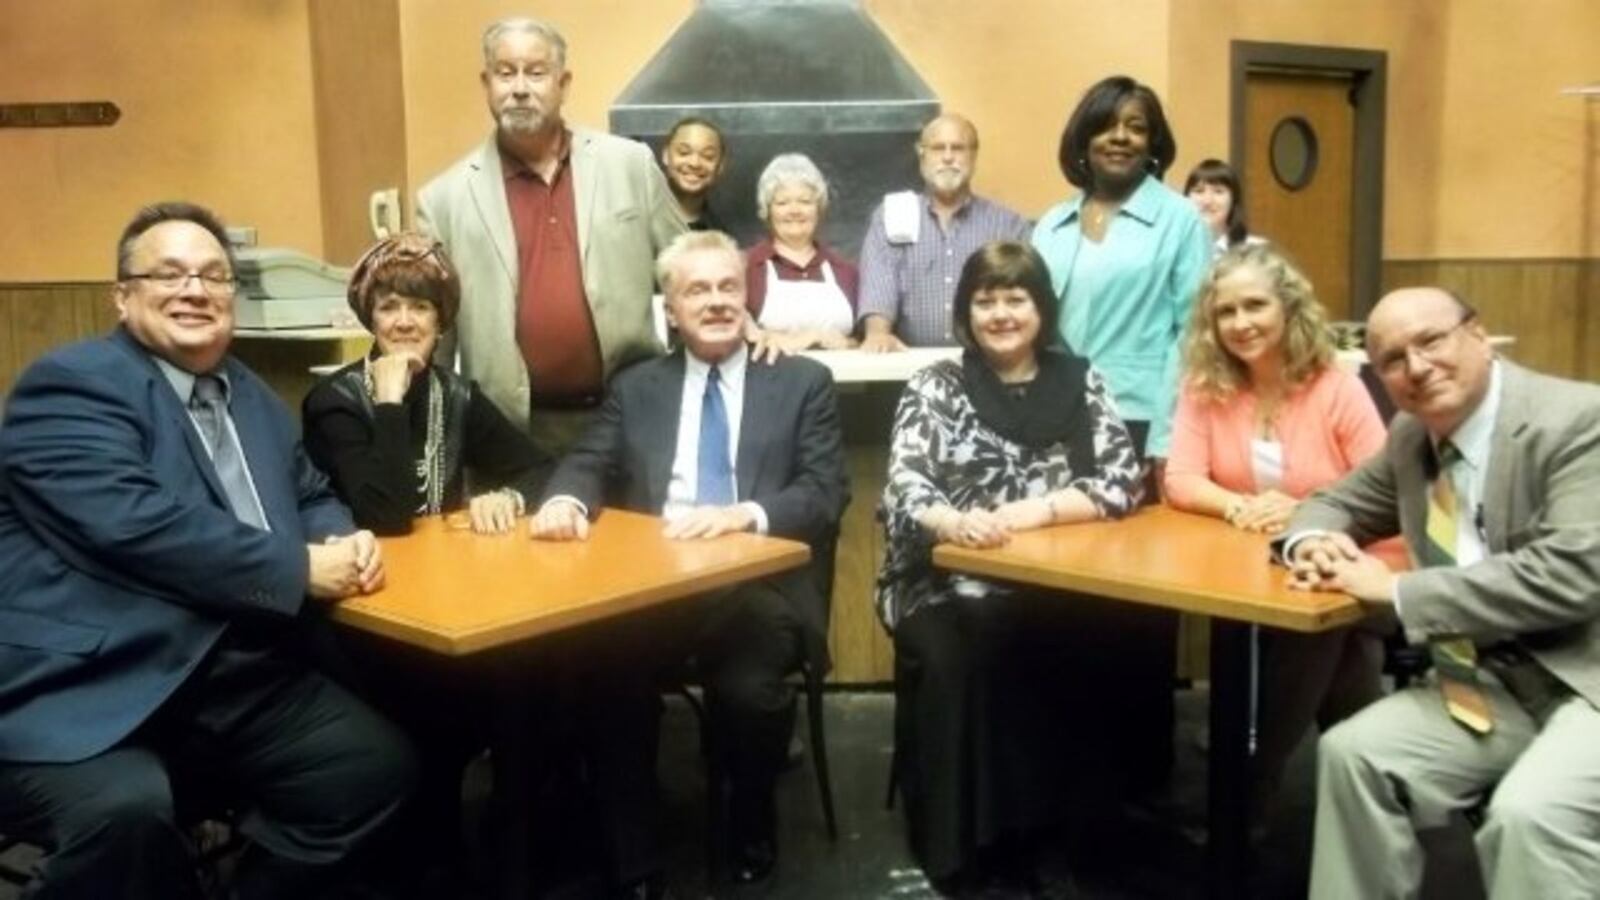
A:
(902, 216)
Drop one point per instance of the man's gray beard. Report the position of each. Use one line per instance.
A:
(521, 121)
(949, 182)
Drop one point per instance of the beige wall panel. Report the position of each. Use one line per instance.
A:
(360, 116)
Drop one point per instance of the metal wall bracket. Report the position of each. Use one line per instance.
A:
(77, 114)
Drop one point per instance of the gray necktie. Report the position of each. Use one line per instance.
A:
(210, 411)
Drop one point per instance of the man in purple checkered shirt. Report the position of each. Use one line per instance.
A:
(917, 243)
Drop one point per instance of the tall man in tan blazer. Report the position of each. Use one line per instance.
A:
(555, 230)
(1492, 474)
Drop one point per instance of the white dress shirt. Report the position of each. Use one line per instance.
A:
(1472, 439)
(684, 484)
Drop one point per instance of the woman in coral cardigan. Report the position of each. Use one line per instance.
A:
(1266, 417)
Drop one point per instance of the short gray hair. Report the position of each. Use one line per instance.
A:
(523, 25)
(789, 168)
(686, 243)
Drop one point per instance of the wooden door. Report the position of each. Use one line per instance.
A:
(1309, 216)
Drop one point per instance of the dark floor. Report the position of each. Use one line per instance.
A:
(870, 859)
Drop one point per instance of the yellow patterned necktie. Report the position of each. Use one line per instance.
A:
(1454, 658)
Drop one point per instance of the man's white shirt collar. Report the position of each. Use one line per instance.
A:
(1472, 436)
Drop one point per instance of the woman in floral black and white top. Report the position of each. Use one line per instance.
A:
(1018, 434)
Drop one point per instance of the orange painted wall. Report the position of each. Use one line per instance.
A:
(1519, 162)
(1468, 84)
(1483, 157)
(949, 42)
(608, 42)
(1018, 68)
(216, 107)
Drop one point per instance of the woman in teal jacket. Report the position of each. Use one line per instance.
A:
(1127, 253)
(1126, 256)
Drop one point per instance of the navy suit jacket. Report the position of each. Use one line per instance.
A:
(120, 560)
(790, 458)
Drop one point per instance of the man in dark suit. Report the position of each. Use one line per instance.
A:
(716, 445)
(1492, 475)
(160, 530)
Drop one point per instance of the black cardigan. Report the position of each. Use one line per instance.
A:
(370, 450)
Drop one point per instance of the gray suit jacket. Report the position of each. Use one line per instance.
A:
(1540, 582)
(626, 215)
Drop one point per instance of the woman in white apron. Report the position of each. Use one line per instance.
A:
(802, 295)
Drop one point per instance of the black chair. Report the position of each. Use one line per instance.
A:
(213, 842)
(1404, 662)
(894, 779)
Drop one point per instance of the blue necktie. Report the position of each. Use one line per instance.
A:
(714, 486)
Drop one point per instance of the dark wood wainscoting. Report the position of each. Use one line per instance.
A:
(1551, 306)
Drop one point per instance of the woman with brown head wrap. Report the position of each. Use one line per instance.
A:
(400, 436)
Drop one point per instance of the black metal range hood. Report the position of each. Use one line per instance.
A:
(808, 76)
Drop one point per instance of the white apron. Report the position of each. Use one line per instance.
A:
(805, 305)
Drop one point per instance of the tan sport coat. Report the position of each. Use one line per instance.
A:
(626, 215)
(1540, 583)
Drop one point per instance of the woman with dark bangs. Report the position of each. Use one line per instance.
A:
(993, 682)
(398, 435)
(1214, 189)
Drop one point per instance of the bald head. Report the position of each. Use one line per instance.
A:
(947, 153)
(955, 124)
(1397, 306)
(1432, 355)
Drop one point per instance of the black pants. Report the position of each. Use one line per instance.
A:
(311, 772)
(576, 717)
(442, 705)
(1144, 642)
(1003, 712)
(745, 643)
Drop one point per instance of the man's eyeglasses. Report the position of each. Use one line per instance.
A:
(172, 281)
(1430, 346)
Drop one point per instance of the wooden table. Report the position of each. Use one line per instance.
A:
(1161, 557)
(454, 592)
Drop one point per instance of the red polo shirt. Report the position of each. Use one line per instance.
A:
(555, 327)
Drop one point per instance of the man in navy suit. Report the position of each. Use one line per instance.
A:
(160, 531)
(716, 443)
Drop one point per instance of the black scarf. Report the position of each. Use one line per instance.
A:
(1052, 409)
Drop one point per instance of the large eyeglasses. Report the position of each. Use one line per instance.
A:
(171, 281)
(1430, 346)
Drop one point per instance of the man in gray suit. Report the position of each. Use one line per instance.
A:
(1492, 474)
(555, 230)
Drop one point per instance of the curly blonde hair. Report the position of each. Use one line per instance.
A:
(1308, 346)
